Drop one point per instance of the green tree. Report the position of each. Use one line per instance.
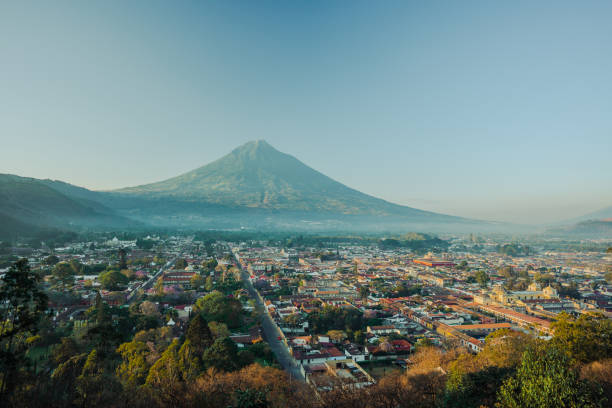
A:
(199, 334)
(64, 377)
(219, 330)
(159, 287)
(250, 398)
(544, 379)
(223, 355)
(217, 307)
(422, 343)
(336, 335)
(100, 311)
(585, 339)
(364, 292)
(23, 305)
(166, 368)
(294, 319)
(77, 267)
(134, 367)
(95, 386)
(360, 337)
(475, 389)
(210, 264)
(66, 349)
(482, 278)
(51, 260)
(63, 273)
(197, 281)
(180, 263)
(210, 284)
(122, 259)
(113, 280)
(189, 361)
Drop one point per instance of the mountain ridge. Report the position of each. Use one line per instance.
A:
(254, 186)
(30, 204)
(256, 175)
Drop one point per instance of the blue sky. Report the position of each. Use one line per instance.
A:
(494, 110)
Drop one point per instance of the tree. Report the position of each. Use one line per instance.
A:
(96, 388)
(569, 291)
(331, 317)
(250, 398)
(294, 319)
(159, 287)
(166, 369)
(189, 361)
(364, 291)
(544, 379)
(23, 304)
(585, 339)
(63, 273)
(210, 264)
(77, 267)
(149, 308)
(122, 259)
(222, 355)
(197, 281)
(504, 348)
(199, 334)
(482, 278)
(100, 313)
(113, 280)
(63, 351)
(217, 307)
(471, 383)
(423, 343)
(51, 260)
(134, 368)
(180, 263)
(210, 284)
(145, 243)
(336, 335)
(219, 330)
(64, 377)
(359, 336)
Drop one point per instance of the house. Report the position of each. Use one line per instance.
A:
(177, 277)
(382, 330)
(356, 352)
(340, 373)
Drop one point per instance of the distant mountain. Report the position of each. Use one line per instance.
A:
(604, 213)
(256, 175)
(12, 228)
(255, 187)
(29, 205)
(586, 229)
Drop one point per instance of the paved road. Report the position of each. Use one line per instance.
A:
(271, 332)
(144, 287)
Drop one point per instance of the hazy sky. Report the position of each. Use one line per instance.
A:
(495, 110)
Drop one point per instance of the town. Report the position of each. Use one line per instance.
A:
(331, 312)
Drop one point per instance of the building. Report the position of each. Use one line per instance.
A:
(340, 373)
(177, 277)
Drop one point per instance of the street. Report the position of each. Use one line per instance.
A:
(271, 331)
